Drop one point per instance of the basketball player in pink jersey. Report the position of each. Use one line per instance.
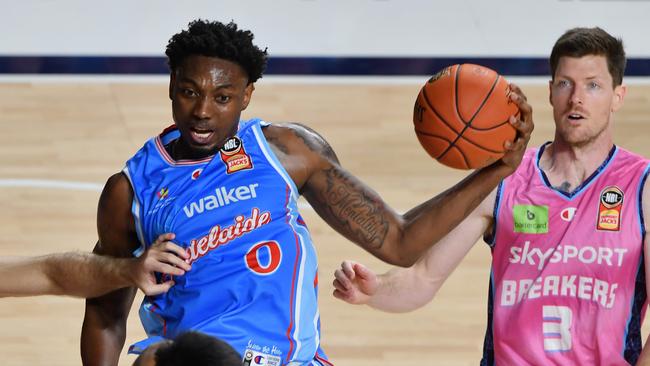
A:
(566, 231)
(89, 275)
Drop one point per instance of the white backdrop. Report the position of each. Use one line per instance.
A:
(502, 28)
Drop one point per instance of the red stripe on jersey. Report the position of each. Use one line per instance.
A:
(293, 279)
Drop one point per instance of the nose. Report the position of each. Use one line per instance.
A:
(577, 96)
(202, 108)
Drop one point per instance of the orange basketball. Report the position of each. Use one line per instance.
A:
(461, 116)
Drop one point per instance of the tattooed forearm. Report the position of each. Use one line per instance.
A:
(354, 210)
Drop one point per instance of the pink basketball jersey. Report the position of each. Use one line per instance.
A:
(568, 284)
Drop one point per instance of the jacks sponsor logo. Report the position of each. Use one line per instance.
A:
(234, 156)
(530, 219)
(222, 196)
(609, 209)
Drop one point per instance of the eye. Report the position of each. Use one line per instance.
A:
(188, 92)
(593, 85)
(223, 98)
(562, 83)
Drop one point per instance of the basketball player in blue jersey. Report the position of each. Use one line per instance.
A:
(228, 189)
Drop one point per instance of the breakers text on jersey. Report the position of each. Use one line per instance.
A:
(581, 287)
(222, 197)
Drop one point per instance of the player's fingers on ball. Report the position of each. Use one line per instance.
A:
(517, 92)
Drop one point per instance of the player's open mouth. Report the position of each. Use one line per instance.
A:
(575, 116)
(201, 137)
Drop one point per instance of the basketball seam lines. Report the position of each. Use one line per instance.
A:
(467, 123)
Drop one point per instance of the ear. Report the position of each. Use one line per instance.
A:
(172, 82)
(618, 97)
(248, 93)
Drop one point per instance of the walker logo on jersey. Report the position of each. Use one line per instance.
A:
(196, 173)
(609, 210)
(162, 193)
(568, 213)
(530, 219)
(219, 236)
(234, 156)
(223, 196)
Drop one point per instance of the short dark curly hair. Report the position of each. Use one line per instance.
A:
(197, 349)
(215, 39)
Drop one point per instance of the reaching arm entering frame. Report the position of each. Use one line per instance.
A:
(90, 275)
(406, 289)
(357, 212)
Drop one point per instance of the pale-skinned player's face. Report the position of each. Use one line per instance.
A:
(584, 100)
(208, 95)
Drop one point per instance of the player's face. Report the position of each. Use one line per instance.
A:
(208, 95)
(584, 99)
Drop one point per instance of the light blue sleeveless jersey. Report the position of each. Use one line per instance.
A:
(253, 281)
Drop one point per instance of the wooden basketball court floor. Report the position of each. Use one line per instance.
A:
(59, 141)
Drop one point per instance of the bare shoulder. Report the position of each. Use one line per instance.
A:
(115, 223)
(292, 138)
(301, 150)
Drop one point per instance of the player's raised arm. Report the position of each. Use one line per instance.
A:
(406, 289)
(357, 212)
(90, 275)
(104, 328)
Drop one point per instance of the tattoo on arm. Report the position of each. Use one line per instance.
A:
(315, 142)
(277, 143)
(354, 210)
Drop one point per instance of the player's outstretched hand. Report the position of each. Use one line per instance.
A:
(524, 125)
(163, 257)
(354, 283)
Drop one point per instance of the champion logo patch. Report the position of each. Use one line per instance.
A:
(568, 213)
(234, 156)
(196, 173)
(609, 209)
